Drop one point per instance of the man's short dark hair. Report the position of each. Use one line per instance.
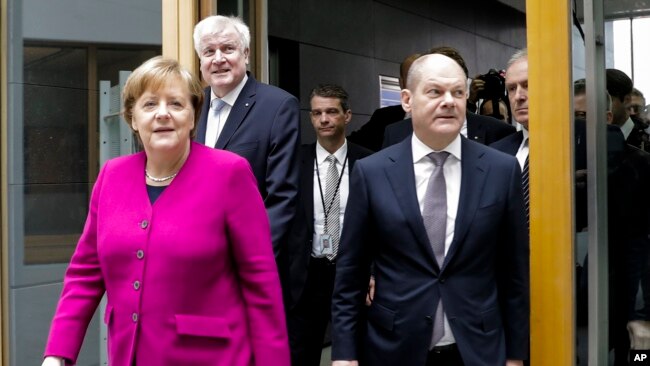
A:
(331, 91)
(579, 87)
(619, 85)
(453, 54)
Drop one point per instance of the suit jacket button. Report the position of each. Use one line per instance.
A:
(442, 280)
(144, 224)
(136, 285)
(428, 319)
(134, 317)
(140, 254)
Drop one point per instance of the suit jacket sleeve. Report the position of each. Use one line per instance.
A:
(83, 287)
(282, 173)
(513, 275)
(249, 237)
(352, 270)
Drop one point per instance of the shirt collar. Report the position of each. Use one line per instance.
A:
(525, 132)
(420, 150)
(627, 127)
(322, 154)
(231, 97)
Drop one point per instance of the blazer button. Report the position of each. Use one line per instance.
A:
(144, 224)
(136, 285)
(428, 319)
(442, 280)
(134, 317)
(140, 254)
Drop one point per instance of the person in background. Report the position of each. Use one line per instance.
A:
(636, 106)
(487, 109)
(324, 192)
(620, 88)
(487, 90)
(257, 121)
(178, 239)
(482, 129)
(371, 134)
(517, 143)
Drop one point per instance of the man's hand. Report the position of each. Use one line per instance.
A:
(475, 88)
(514, 363)
(639, 334)
(371, 291)
(345, 363)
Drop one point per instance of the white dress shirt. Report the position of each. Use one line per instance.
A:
(216, 123)
(423, 167)
(627, 128)
(463, 130)
(319, 214)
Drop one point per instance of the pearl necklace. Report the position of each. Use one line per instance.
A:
(159, 180)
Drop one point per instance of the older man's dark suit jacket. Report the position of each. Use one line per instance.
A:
(483, 282)
(264, 127)
(371, 134)
(510, 144)
(302, 232)
(482, 129)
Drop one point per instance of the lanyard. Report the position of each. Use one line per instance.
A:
(326, 210)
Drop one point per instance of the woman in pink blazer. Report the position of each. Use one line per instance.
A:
(178, 238)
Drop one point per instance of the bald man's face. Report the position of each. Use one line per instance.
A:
(436, 99)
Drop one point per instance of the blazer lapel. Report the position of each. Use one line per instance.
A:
(475, 130)
(401, 176)
(243, 105)
(307, 185)
(474, 172)
(203, 120)
(515, 142)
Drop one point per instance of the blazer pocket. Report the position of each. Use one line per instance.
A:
(491, 208)
(491, 205)
(108, 314)
(245, 146)
(202, 326)
(491, 320)
(381, 316)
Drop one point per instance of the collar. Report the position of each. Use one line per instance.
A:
(525, 132)
(627, 127)
(231, 97)
(420, 150)
(322, 154)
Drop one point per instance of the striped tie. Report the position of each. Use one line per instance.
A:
(524, 186)
(333, 198)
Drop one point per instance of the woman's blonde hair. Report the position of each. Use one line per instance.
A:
(154, 74)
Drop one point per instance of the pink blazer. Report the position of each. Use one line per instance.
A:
(190, 280)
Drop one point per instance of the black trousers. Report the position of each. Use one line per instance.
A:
(308, 320)
(444, 356)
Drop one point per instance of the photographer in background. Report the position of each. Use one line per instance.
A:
(487, 91)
